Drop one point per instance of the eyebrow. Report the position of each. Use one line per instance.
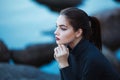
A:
(62, 25)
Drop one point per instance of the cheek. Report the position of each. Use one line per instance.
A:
(68, 34)
(68, 37)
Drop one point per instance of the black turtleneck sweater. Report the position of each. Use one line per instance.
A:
(86, 62)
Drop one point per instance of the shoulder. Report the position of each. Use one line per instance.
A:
(96, 59)
(93, 56)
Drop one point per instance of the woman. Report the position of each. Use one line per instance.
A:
(79, 48)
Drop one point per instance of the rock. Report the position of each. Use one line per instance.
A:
(36, 55)
(117, 1)
(110, 28)
(23, 72)
(57, 5)
(111, 57)
(4, 52)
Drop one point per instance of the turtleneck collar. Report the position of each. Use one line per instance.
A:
(80, 47)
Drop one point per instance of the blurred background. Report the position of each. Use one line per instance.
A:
(27, 39)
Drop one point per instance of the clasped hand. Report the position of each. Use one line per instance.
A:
(61, 54)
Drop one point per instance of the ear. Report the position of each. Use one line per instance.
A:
(79, 33)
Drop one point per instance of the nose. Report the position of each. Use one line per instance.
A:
(56, 32)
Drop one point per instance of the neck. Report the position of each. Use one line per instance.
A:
(74, 42)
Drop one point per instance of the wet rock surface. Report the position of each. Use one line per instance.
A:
(110, 27)
(36, 55)
(57, 5)
(23, 72)
(4, 52)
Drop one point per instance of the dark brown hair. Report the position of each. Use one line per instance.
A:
(90, 25)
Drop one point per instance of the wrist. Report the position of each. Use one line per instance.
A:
(63, 65)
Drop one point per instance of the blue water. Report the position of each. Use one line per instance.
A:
(118, 54)
(23, 21)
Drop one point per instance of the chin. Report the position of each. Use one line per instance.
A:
(59, 43)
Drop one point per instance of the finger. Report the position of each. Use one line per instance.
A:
(55, 50)
(54, 56)
(64, 47)
(58, 50)
(60, 47)
(55, 53)
(68, 50)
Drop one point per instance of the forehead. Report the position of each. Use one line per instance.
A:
(62, 20)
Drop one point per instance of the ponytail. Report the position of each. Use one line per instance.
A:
(96, 32)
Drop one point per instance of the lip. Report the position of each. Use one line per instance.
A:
(57, 38)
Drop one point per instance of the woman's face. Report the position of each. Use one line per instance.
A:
(64, 32)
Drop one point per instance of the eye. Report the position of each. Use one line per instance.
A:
(63, 29)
